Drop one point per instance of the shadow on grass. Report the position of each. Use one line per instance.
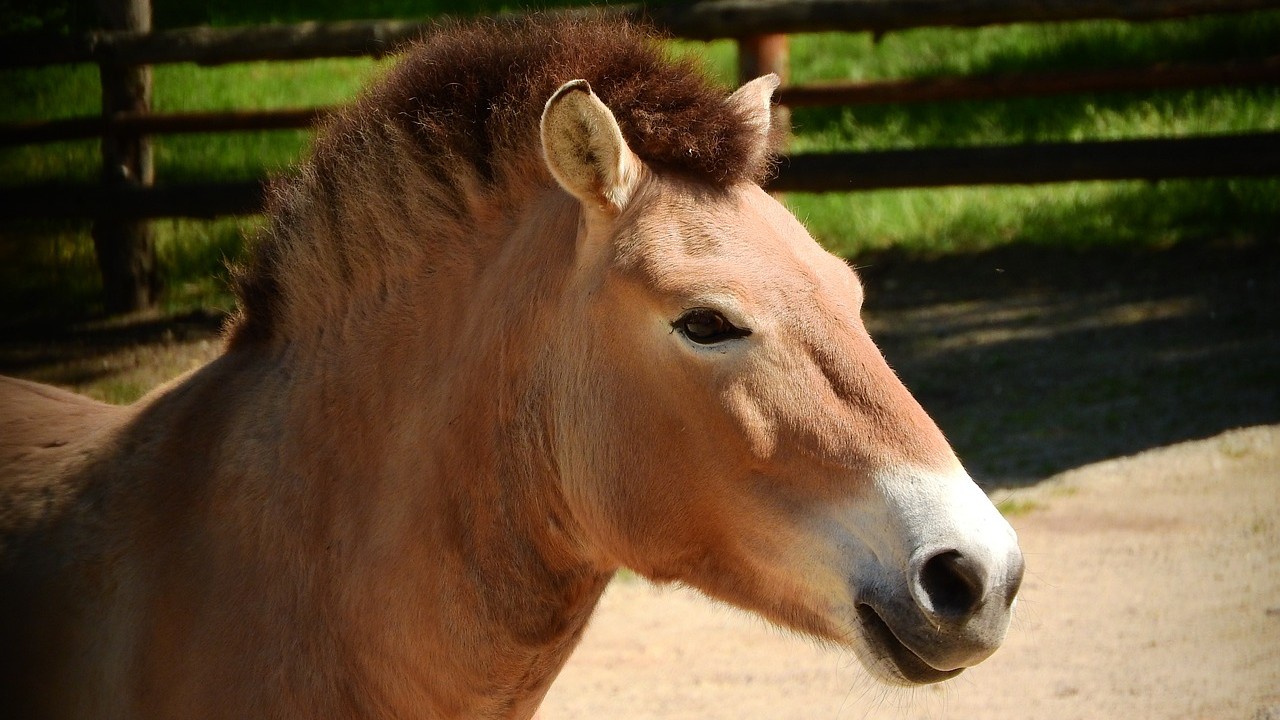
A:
(47, 273)
(49, 280)
(1035, 360)
(115, 360)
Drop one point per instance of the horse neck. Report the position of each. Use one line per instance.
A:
(414, 430)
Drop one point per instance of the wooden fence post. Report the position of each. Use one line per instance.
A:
(125, 247)
(762, 54)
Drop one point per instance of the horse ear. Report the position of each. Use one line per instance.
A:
(754, 101)
(584, 148)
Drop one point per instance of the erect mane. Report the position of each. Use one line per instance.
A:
(463, 105)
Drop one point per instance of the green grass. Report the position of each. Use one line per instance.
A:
(263, 86)
(1015, 507)
(73, 91)
(1080, 215)
(933, 52)
(53, 260)
(196, 256)
(1088, 117)
(48, 271)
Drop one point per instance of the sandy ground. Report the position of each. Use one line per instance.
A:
(1153, 591)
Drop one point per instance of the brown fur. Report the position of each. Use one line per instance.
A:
(462, 106)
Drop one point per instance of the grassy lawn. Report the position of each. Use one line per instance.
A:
(47, 267)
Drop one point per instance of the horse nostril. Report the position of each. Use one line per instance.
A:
(952, 583)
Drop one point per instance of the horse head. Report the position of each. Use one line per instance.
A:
(724, 419)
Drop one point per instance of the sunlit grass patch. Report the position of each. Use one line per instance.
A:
(1074, 118)
(1079, 215)
(1020, 48)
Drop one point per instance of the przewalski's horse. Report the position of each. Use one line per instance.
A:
(523, 318)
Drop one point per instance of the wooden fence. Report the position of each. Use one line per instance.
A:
(126, 47)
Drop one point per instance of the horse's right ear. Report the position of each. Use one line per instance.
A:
(584, 148)
(754, 101)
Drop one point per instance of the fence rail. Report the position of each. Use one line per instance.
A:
(703, 20)
(1255, 154)
(992, 87)
(124, 54)
(1000, 87)
(976, 87)
(1231, 155)
(43, 131)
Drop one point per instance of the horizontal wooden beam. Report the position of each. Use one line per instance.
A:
(42, 131)
(212, 45)
(1160, 77)
(1198, 157)
(1000, 87)
(698, 20)
(714, 19)
(194, 200)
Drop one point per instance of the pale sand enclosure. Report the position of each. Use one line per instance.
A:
(1153, 591)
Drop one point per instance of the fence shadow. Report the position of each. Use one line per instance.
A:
(1035, 360)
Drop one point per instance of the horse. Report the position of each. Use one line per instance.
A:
(521, 318)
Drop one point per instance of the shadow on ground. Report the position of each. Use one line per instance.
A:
(1035, 360)
(82, 353)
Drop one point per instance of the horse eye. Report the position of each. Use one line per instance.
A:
(707, 327)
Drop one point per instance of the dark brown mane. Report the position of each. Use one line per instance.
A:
(467, 99)
(478, 89)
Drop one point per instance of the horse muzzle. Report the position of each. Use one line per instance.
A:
(951, 612)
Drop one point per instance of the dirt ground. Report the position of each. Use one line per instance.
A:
(1153, 586)
(1153, 591)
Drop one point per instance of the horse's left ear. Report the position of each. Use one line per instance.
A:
(754, 101)
(584, 148)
